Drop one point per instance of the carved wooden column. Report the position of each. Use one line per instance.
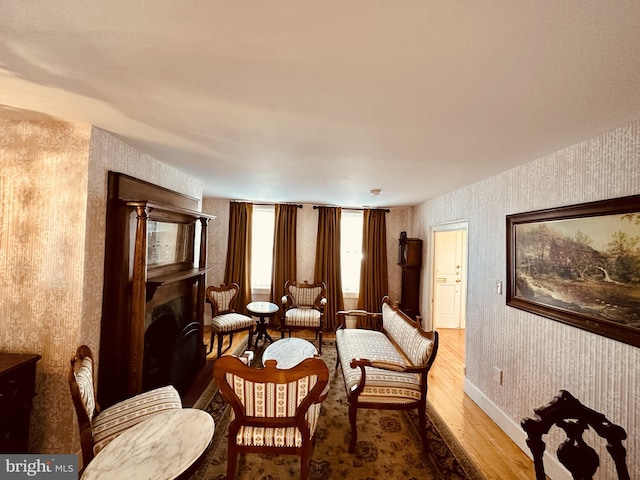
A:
(138, 300)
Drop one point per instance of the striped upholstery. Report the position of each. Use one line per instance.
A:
(303, 317)
(231, 322)
(378, 377)
(114, 420)
(303, 314)
(382, 386)
(416, 347)
(273, 400)
(304, 296)
(84, 379)
(222, 299)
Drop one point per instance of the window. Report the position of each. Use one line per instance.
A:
(262, 246)
(351, 250)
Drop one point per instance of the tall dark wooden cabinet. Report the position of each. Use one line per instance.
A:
(153, 297)
(17, 389)
(410, 260)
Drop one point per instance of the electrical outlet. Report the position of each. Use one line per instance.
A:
(497, 375)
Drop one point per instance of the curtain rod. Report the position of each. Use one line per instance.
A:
(271, 204)
(315, 207)
(292, 204)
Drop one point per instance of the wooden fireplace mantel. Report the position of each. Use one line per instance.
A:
(155, 253)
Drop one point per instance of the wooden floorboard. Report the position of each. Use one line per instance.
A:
(495, 454)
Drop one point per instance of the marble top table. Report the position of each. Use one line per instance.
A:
(262, 310)
(161, 448)
(289, 352)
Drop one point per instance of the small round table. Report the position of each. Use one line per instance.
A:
(160, 448)
(262, 310)
(289, 352)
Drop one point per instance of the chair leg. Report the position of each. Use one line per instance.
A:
(232, 457)
(320, 342)
(422, 421)
(220, 338)
(354, 430)
(211, 339)
(304, 461)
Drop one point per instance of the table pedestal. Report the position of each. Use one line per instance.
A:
(262, 310)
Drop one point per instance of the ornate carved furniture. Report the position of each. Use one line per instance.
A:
(274, 411)
(98, 428)
(153, 302)
(387, 369)
(567, 413)
(410, 260)
(303, 308)
(225, 320)
(17, 389)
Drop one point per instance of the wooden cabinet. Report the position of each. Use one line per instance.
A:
(155, 278)
(410, 260)
(17, 389)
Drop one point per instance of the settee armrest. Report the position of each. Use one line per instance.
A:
(387, 365)
(381, 364)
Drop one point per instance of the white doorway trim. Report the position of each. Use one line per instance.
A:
(456, 225)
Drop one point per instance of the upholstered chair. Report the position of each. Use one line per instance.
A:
(303, 308)
(98, 428)
(225, 320)
(274, 411)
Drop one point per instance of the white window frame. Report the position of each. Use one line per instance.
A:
(262, 228)
(351, 251)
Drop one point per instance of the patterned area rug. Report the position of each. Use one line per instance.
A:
(389, 445)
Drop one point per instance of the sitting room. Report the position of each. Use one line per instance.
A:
(368, 149)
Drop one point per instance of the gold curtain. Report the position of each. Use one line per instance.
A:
(327, 266)
(374, 281)
(238, 267)
(284, 249)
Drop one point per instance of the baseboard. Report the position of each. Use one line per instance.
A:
(553, 469)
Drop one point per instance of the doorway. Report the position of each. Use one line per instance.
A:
(448, 275)
(449, 278)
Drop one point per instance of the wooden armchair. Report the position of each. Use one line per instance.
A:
(303, 308)
(574, 418)
(98, 428)
(274, 411)
(225, 320)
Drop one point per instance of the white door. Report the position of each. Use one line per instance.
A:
(449, 277)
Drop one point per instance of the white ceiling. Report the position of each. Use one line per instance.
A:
(322, 101)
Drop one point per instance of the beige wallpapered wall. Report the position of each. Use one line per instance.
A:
(53, 181)
(397, 221)
(540, 356)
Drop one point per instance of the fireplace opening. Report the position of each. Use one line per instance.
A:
(171, 347)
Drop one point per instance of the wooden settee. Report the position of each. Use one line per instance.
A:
(385, 368)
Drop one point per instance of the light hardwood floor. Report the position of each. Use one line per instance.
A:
(497, 456)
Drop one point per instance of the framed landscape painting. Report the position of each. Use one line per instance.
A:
(579, 265)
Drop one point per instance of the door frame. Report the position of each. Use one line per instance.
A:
(456, 225)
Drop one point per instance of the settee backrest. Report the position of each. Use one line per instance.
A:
(406, 333)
